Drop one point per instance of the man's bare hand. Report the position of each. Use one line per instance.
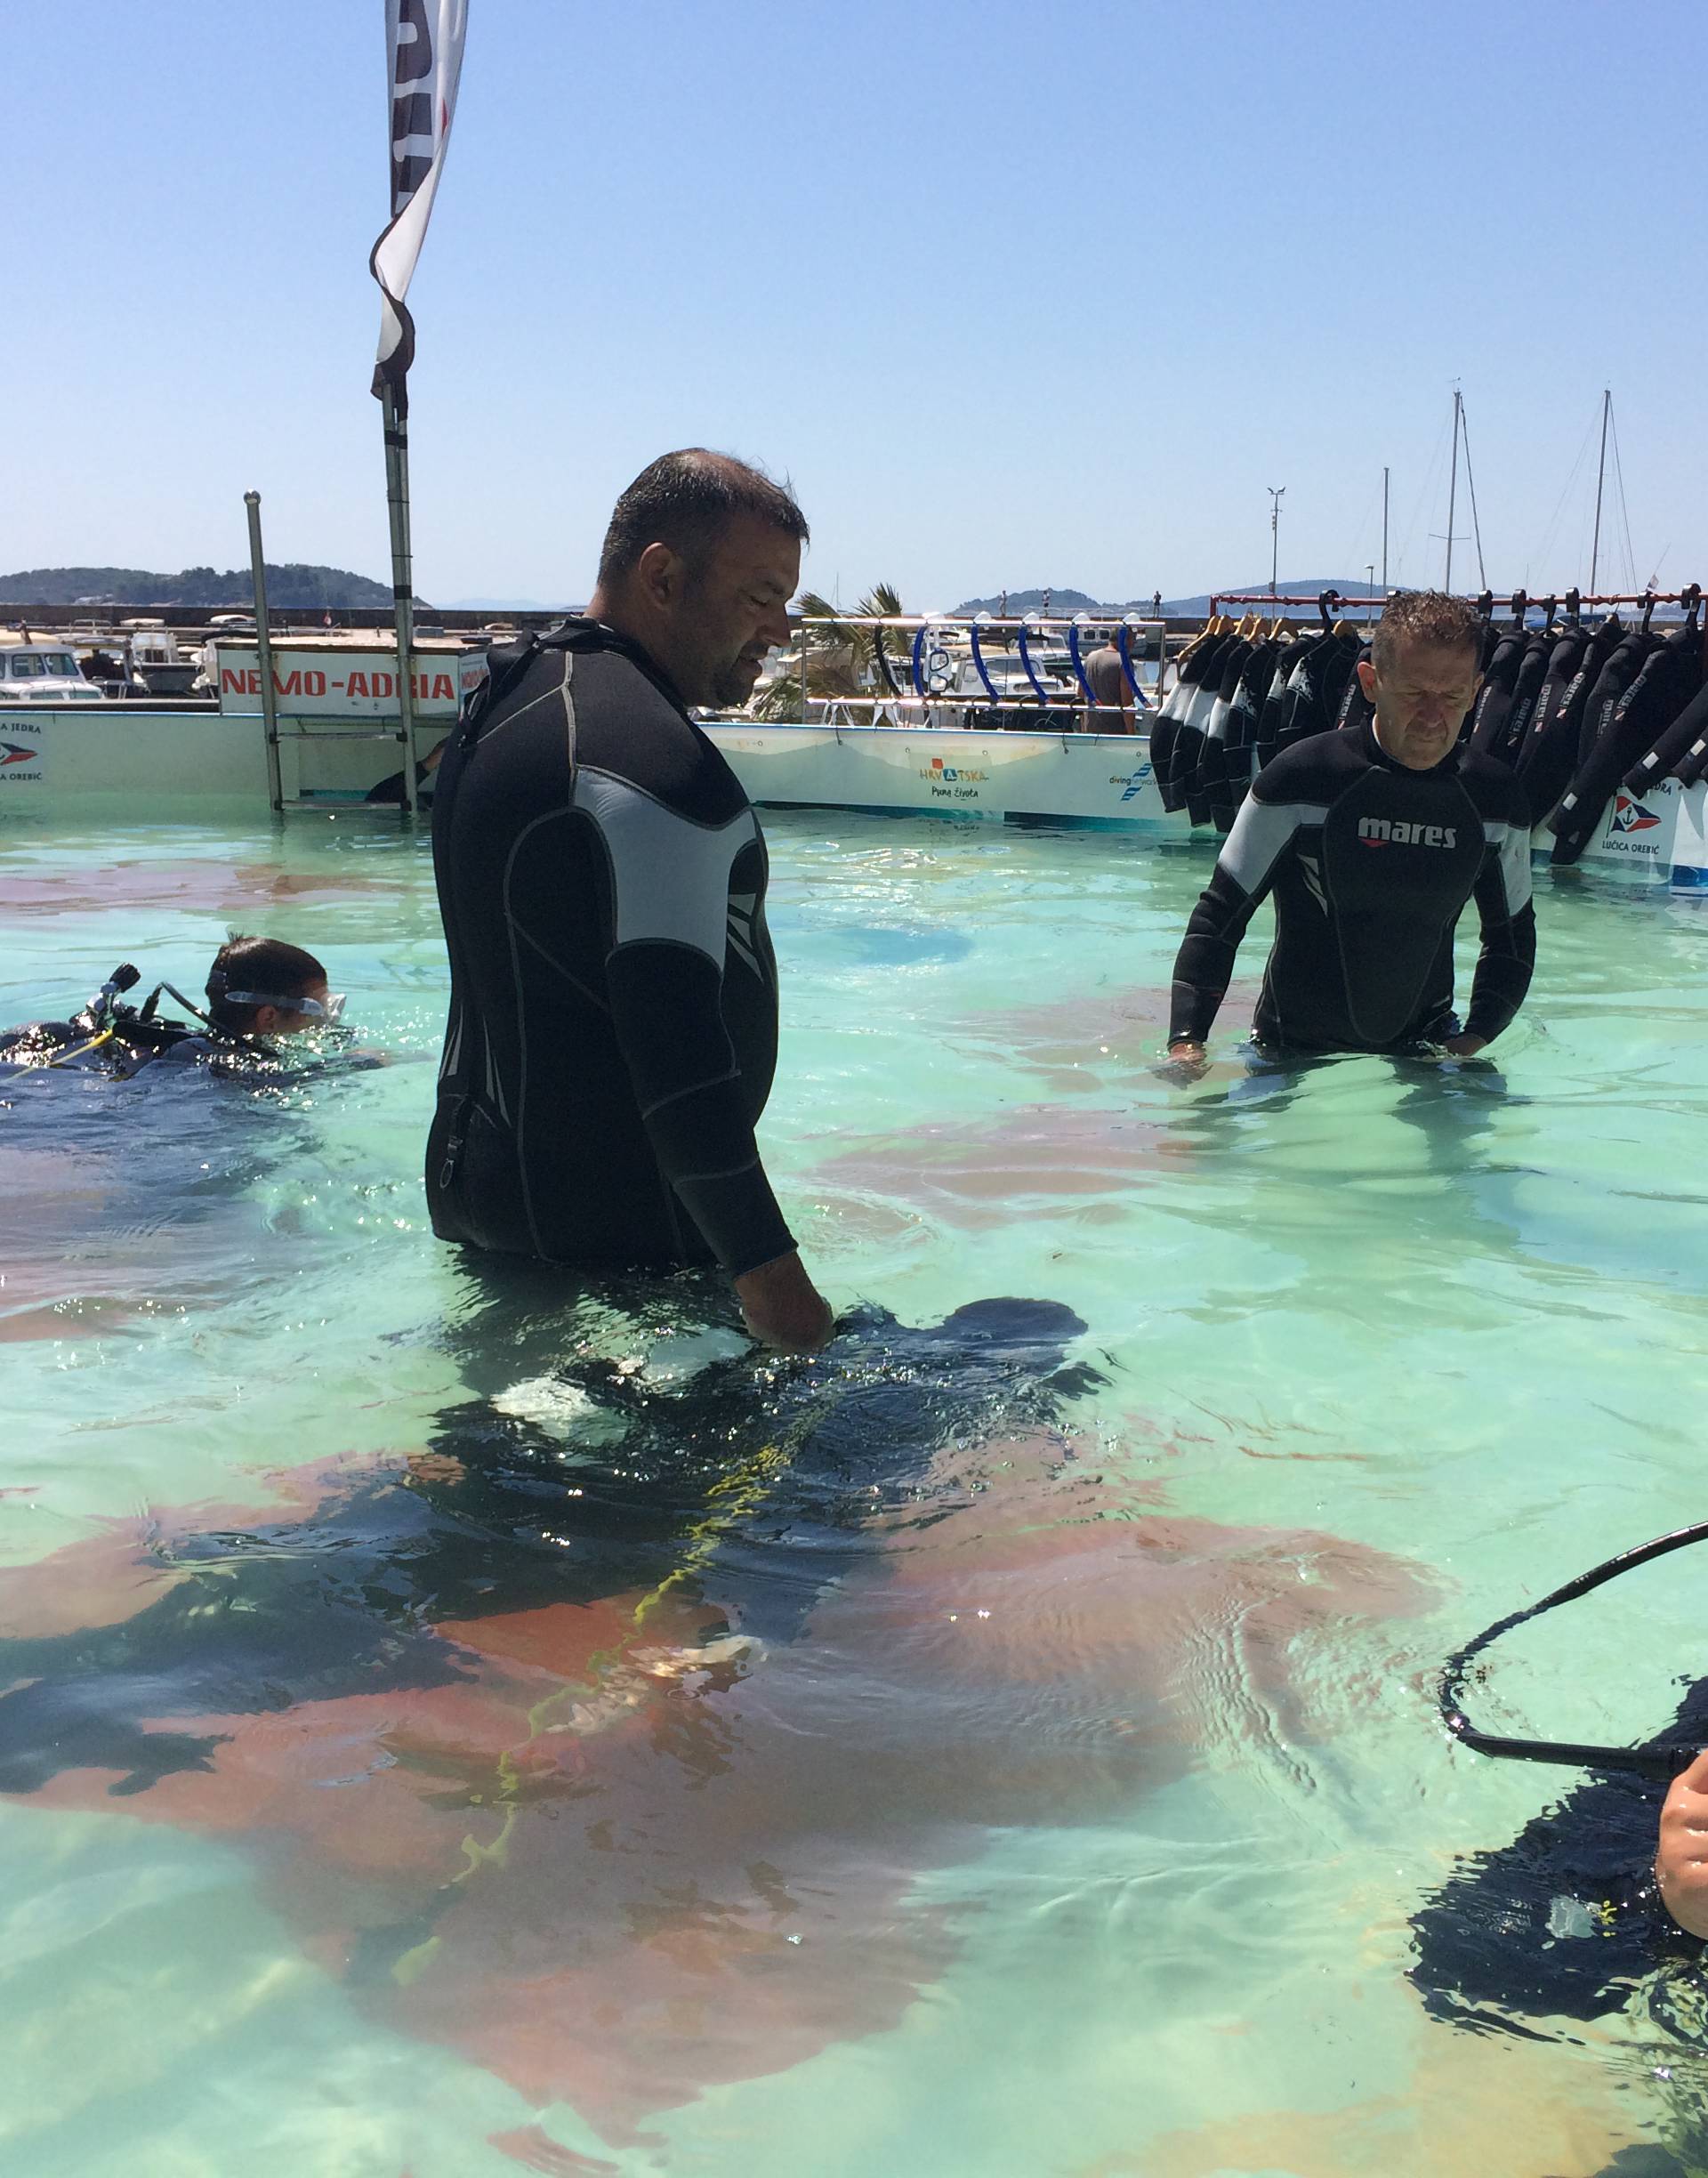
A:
(783, 1306)
(1464, 1047)
(1681, 1864)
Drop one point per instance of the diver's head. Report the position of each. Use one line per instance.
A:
(1421, 674)
(262, 986)
(699, 566)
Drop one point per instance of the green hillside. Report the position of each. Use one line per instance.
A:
(292, 587)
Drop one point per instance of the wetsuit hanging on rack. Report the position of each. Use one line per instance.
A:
(1668, 675)
(1549, 756)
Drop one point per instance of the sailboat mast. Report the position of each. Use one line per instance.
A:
(1453, 490)
(1600, 479)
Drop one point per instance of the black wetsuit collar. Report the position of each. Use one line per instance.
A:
(577, 632)
(1373, 750)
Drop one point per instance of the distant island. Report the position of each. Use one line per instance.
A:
(1019, 602)
(292, 587)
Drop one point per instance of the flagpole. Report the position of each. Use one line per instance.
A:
(423, 42)
(394, 410)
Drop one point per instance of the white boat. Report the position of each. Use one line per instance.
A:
(337, 716)
(1103, 781)
(45, 672)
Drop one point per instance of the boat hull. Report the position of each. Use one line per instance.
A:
(1100, 779)
(164, 762)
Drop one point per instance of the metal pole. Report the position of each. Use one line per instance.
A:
(1600, 479)
(1370, 569)
(264, 648)
(397, 501)
(1275, 492)
(1453, 489)
(1384, 531)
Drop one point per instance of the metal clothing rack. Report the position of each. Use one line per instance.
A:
(976, 626)
(1333, 600)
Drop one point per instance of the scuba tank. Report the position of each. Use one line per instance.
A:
(106, 1037)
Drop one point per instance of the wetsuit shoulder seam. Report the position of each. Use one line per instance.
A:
(559, 687)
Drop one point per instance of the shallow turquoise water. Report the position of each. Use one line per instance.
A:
(1379, 1353)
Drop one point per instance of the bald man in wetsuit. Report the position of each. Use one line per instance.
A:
(1372, 840)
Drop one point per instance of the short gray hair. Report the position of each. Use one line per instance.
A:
(1426, 617)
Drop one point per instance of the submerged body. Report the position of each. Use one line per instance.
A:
(623, 1789)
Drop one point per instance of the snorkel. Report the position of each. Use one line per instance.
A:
(1663, 1761)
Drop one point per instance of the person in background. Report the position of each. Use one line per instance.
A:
(601, 878)
(1374, 839)
(1111, 708)
(389, 791)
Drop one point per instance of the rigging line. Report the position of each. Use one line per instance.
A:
(1364, 526)
(1422, 506)
(1476, 526)
(1543, 549)
(1624, 511)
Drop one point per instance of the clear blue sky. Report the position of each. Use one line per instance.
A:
(1013, 293)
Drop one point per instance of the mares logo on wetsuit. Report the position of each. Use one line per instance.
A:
(1386, 832)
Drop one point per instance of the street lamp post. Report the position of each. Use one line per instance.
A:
(1275, 492)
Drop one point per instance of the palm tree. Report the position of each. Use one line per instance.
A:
(842, 657)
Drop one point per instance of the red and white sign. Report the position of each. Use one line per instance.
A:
(1640, 828)
(348, 683)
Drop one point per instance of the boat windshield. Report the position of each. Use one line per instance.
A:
(36, 664)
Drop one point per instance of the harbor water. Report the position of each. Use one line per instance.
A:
(1009, 1755)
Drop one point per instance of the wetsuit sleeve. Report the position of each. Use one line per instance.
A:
(1243, 872)
(1509, 919)
(670, 886)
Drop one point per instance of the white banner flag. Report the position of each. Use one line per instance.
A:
(425, 57)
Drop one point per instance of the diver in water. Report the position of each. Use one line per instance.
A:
(259, 990)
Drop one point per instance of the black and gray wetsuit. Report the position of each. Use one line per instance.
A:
(1371, 865)
(613, 1019)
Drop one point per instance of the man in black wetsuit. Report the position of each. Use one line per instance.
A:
(1372, 840)
(602, 877)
